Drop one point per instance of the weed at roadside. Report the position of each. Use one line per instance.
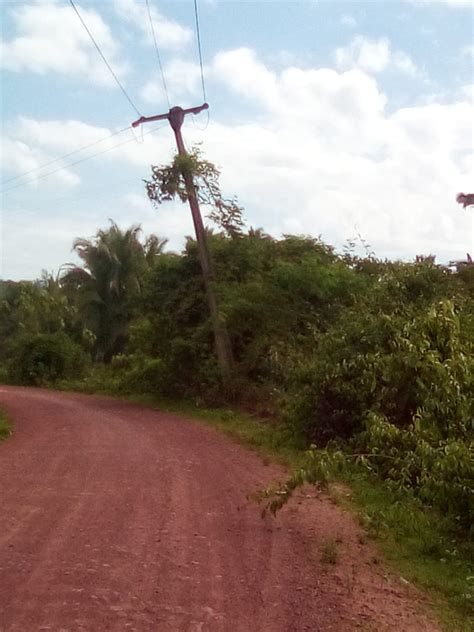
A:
(330, 551)
(5, 426)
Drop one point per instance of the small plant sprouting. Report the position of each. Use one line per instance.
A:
(330, 551)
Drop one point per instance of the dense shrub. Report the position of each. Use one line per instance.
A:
(43, 358)
(399, 388)
(439, 471)
(403, 350)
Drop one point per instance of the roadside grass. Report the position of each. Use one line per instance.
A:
(420, 546)
(5, 426)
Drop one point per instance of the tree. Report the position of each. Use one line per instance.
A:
(104, 288)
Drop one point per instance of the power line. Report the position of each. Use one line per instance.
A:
(157, 53)
(91, 194)
(104, 59)
(199, 48)
(77, 162)
(71, 153)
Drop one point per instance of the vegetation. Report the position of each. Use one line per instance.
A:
(330, 551)
(368, 365)
(5, 426)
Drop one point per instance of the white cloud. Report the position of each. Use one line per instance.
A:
(46, 243)
(326, 156)
(373, 56)
(60, 135)
(467, 91)
(404, 63)
(50, 38)
(38, 142)
(349, 21)
(19, 157)
(183, 79)
(170, 34)
(172, 221)
(369, 55)
(245, 74)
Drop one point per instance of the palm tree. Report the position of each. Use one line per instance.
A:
(105, 287)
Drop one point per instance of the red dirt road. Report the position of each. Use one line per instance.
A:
(117, 517)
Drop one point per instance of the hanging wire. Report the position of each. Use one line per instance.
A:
(139, 135)
(71, 153)
(77, 162)
(71, 2)
(206, 124)
(199, 48)
(158, 53)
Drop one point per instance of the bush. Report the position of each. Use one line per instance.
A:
(440, 473)
(140, 374)
(400, 390)
(44, 358)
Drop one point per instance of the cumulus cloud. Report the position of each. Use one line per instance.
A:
(172, 221)
(35, 146)
(183, 79)
(50, 38)
(373, 56)
(404, 63)
(245, 74)
(326, 156)
(170, 34)
(369, 55)
(19, 157)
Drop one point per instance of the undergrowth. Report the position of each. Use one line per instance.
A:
(5, 426)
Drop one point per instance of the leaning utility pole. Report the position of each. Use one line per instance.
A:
(223, 350)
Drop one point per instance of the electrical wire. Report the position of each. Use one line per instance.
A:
(98, 194)
(77, 162)
(71, 153)
(71, 2)
(158, 53)
(206, 124)
(199, 48)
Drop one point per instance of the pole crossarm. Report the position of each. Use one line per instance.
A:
(169, 115)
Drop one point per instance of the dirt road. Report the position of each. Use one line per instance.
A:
(117, 517)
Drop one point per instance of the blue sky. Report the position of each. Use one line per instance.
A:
(327, 118)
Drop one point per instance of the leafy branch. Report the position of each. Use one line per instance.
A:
(168, 182)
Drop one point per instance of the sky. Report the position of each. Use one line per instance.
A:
(344, 120)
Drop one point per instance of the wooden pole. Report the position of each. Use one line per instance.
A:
(221, 339)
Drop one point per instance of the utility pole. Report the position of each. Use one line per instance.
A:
(175, 116)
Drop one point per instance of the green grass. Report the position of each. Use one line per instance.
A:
(5, 426)
(420, 546)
